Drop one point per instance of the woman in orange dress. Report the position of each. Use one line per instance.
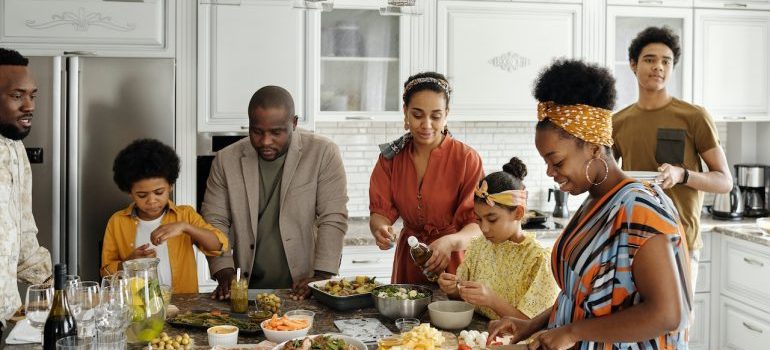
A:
(427, 178)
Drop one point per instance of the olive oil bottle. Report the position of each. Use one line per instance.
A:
(420, 255)
(60, 322)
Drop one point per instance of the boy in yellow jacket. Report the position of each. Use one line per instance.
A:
(152, 225)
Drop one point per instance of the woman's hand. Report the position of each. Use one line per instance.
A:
(520, 329)
(167, 231)
(442, 249)
(385, 237)
(476, 293)
(448, 283)
(560, 338)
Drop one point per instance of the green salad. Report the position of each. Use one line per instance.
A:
(400, 293)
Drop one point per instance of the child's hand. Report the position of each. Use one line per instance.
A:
(167, 231)
(476, 293)
(448, 283)
(142, 251)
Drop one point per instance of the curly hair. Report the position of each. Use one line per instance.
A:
(426, 86)
(663, 35)
(145, 159)
(12, 58)
(511, 178)
(570, 81)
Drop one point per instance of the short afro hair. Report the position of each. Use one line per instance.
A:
(426, 86)
(569, 82)
(272, 96)
(12, 58)
(663, 35)
(145, 159)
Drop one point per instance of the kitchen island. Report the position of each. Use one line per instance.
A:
(322, 323)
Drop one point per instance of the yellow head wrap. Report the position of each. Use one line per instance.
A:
(588, 123)
(510, 198)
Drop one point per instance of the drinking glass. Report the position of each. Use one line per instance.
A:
(120, 278)
(82, 301)
(406, 324)
(114, 311)
(38, 304)
(111, 341)
(74, 343)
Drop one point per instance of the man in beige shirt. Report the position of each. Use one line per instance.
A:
(281, 197)
(21, 257)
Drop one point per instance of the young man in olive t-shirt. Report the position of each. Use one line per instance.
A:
(665, 134)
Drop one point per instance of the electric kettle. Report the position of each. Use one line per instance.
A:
(728, 206)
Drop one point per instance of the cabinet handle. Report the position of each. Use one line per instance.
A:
(244, 128)
(743, 117)
(753, 262)
(752, 328)
(79, 53)
(654, 2)
(370, 261)
(220, 2)
(736, 4)
(359, 117)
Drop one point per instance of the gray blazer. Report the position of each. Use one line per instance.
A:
(313, 215)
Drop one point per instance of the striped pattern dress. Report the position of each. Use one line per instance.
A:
(592, 260)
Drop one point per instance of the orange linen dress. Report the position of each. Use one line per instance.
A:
(442, 205)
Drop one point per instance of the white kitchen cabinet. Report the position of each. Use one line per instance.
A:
(734, 4)
(745, 272)
(699, 329)
(623, 25)
(357, 62)
(106, 28)
(368, 261)
(493, 51)
(241, 48)
(731, 66)
(742, 327)
(652, 3)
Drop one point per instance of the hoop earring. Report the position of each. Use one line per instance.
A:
(606, 171)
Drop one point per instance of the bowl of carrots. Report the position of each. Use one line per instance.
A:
(280, 329)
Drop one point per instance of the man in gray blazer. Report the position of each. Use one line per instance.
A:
(281, 197)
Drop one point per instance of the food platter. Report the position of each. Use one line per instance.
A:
(354, 343)
(203, 319)
(341, 302)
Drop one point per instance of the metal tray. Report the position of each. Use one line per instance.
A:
(254, 329)
(340, 303)
(535, 217)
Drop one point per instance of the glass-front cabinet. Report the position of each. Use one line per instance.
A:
(623, 24)
(357, 62)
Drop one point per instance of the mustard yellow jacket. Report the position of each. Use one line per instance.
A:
(120, 235)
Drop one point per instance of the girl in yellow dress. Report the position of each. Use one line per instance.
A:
(506, 272)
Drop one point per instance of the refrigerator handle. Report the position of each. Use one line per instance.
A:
(56, 174)
(73, 202)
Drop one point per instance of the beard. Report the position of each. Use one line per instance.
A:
(13, 132)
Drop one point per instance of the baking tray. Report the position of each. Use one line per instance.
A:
(340, 303)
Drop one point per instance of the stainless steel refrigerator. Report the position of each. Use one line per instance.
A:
(88, 108)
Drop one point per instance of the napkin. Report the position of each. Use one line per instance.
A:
(24, 333)
(367, 330)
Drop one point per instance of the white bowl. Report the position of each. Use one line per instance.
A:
(450, 314)
(350, 340)
(282, 336)
(300, 314)
(223, 335)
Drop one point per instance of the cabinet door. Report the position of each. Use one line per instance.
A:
(242, 48)
(493, 51)
(357, 63)
(731, 64)
(367, 260)
(742, 327)
(699, 329)
(734, 4)
(745, 271)
(655, 3)
(109, 28)
(623, 25)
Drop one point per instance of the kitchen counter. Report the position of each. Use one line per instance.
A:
(322, 323)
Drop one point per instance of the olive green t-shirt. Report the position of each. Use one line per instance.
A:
(271, 269)
(676, 133)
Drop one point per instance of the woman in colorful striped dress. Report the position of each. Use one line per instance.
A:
(621, 262)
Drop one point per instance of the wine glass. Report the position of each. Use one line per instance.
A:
(38, 304)
(82, 301)
(119, 278)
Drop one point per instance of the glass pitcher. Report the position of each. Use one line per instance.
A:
(148, 309)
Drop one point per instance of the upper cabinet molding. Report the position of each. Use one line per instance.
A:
(652, 3)
(734, 4)
(107, 28)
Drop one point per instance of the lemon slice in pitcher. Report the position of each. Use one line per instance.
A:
(154, 305)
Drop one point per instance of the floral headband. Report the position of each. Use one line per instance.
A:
(510, 198)
(588, 123)
(440, 82)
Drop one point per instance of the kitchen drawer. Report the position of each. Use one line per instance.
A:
(742, 327)
(705, 251)
(699, 329)
(367, 260)
(703, 284)
(745, 272)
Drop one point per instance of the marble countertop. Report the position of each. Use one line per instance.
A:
(358, 230)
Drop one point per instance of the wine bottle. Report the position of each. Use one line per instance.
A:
(60, 322)
(420, 255)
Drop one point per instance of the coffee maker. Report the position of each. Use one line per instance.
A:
(752, 180)
(560, 210)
